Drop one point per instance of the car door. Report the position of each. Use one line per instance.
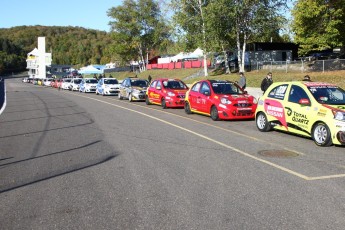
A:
(204, 97)
(156, 94)
(194, 96)
(122, 90)
(99, 86)
(150, 90)
(297, 115)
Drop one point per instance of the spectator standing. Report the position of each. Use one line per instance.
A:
(266, 82)
(242, 81)
(149, 78)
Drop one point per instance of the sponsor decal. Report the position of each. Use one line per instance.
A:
(275, 109)
(321, 114)
(300, 118)
(222, 106)
(242, 102)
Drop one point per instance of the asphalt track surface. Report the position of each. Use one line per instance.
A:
(70, 160)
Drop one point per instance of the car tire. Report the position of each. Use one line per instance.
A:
(147, 100)
(321, 134)
(262, 123)
(214, 113)
(187, 108)
(119, 96)
(164, 105)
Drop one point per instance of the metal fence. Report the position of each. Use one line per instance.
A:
(299, 66)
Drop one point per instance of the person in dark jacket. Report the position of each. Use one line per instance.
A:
(266, 82)
(306, 78)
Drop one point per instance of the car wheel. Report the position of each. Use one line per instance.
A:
(321, 134)
(262, 123)
(119, 96)
(187, 108)
(164, 104)
(214, 113)
(147, 100)
(130, 97)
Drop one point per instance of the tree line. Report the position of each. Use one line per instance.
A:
(69, 46)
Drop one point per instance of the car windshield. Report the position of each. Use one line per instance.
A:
(225, 88)
(110, 81)
(173, 84)
(92, 81)
(328, 94)
(139, 83)
(67, 80)
(77, 81)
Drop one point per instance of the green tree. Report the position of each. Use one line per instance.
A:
(228, 22)
(254, 19)
(318, 24)
(138, 27)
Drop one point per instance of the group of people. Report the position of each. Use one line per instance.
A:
(265, 83)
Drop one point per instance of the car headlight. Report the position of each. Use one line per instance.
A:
(225, 101)
(171, 94)
(338, 115)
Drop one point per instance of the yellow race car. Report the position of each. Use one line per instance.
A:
(310, 109)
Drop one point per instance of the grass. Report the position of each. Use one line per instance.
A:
(254, 78)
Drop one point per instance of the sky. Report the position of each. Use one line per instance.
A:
(83, 13)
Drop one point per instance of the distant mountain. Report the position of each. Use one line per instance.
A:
(69, 46)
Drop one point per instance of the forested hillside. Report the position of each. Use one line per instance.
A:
(68, 45)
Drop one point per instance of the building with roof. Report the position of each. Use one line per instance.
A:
(37, 60)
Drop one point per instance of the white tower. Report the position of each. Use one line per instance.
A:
(42, 57)
(38, 59)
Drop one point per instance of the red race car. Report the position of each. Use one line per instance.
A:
(166, 92)
(55, 83)
(220, 99)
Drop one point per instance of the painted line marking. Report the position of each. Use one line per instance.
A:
(289, 171)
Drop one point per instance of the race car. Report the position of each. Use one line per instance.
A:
(167, 93)
(88, 85)
(311, 109)
(107, 86)
(220, 99)
(133, 88)
(74, 84)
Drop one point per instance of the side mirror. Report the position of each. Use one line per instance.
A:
(304, 101)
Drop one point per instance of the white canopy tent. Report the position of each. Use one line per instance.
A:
(90, 70)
